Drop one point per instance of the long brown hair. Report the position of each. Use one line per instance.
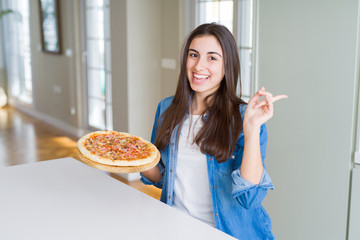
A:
(223, 122)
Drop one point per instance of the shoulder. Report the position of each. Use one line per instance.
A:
(165, 103)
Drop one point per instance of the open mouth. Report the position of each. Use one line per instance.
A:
(200, 78)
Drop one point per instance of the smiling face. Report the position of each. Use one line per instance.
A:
(205, 65)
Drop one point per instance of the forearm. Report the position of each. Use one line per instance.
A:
(153, 174)
(251, 168)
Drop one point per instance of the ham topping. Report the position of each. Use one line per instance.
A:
(117, 147)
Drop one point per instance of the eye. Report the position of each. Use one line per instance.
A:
(212, 58)
(193, 55)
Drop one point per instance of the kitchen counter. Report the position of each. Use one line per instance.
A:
(66, 199)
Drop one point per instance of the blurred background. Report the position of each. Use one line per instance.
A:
(78, 66)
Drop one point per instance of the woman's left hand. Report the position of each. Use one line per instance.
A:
(257, 113)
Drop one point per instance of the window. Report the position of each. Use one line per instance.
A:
(17, 50)
(238, 17)
(98, 67)
(220, 11)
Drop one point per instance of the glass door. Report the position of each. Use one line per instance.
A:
(17, 50)
(96, 56)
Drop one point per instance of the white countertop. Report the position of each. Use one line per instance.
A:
(66, 199)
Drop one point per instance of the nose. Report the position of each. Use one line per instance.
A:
(200, 64)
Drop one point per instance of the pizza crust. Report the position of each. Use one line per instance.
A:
(107, 161)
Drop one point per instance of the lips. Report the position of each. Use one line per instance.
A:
(200, 78)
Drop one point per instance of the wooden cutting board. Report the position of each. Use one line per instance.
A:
(118, 169)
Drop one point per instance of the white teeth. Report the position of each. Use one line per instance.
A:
(200, 76)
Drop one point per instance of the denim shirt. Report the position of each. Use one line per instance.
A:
(236, 201)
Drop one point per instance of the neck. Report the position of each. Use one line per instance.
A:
(197, 105)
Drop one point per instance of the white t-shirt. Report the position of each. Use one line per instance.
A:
(192, 191)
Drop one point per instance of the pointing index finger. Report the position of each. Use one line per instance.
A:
(279, 97)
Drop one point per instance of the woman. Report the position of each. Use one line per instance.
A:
(212, 143)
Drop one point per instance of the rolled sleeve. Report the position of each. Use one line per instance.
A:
(250, 195)
(159, 184)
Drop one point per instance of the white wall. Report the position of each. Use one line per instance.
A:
(51, 71)
(171, 44)
(307, 49)
(119, 67)
(143, 61)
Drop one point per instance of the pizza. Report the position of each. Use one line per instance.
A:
(117, 148)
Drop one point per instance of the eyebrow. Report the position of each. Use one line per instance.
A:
(190, 49)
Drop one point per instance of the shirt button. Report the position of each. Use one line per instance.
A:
(210, 158)
(172, 144)
(213, 186)
(171, 170)
(232, 156)
(169, 197)
(216, 214)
